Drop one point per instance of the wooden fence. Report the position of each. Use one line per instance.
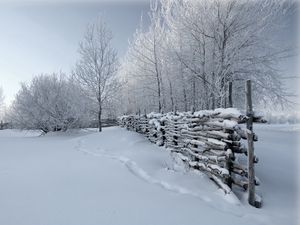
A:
(209, 141)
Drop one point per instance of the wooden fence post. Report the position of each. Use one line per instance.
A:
(229, 181)
(250, 136)
(230, 104)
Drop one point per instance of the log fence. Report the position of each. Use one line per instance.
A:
(209, 141)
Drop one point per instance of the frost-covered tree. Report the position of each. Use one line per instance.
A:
(49, 103)
(96, 69)
(200, 46)
(145, 57)
(228, 41)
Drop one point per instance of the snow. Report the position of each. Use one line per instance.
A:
(229, 124)
(19, 133)
(215, 141)
(277, 117)
(155, 123)
(221, 112)
(119, 177)
(228, 112)
(216, 167)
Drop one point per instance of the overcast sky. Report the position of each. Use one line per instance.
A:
(40, 36)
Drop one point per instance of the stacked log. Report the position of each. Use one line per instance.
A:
(173, 125)
(207, 140)
(155, 128)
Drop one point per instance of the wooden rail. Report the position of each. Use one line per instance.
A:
(209, 141)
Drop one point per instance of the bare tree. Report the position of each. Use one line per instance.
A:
(145, 54)
(193, 49)
(228, 41)
(96, 69)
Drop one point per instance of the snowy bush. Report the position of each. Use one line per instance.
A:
(50, 103)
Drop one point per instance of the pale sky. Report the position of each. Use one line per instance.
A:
(40, 36)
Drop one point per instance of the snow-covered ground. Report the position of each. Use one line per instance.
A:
(118, 177)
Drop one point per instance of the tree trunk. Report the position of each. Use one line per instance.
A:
(213, 101)
(185, 99)
(206, 97)
(194, 93)
(99, 118)
(171, 96)
(183, 82)
(230, 104)
(205, 85)
(159, 93)
(183, 89)
(213, 77)
(157, 73)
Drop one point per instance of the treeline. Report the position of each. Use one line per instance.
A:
(54, 102)
(182, 60)
(190, 51)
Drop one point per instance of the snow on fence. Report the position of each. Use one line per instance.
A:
(209, 140)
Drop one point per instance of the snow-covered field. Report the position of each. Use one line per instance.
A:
(118, 177)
